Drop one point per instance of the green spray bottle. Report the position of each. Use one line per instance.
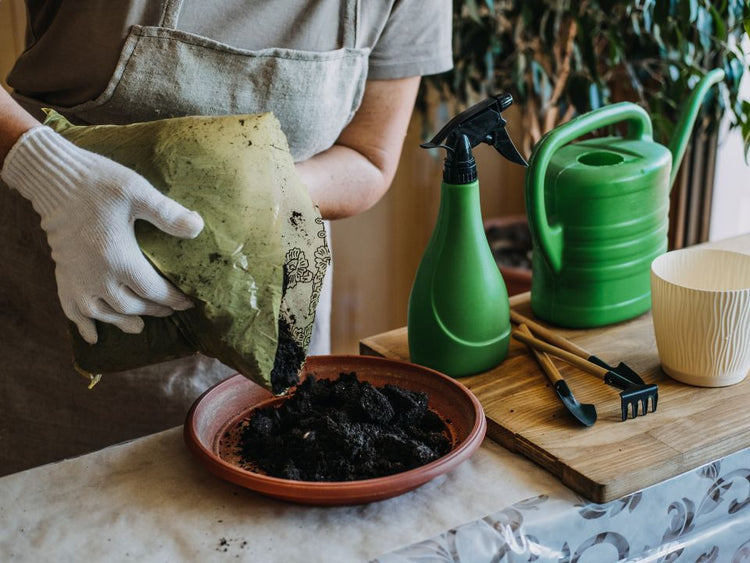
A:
(459, 314)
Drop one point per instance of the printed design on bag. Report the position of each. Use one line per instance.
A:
(297, 268)
(322, 257)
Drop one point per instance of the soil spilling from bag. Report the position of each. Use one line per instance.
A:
(289, 356)
(343, 430)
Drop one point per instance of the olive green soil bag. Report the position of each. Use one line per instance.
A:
(256, 270)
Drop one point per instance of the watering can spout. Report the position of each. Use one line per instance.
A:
(681, 135)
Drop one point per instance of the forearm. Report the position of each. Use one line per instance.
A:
(343, 182)
(14, 122)
(353, 175)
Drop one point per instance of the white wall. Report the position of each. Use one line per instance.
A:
(730, 211)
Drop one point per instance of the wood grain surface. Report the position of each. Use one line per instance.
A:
(691, 426)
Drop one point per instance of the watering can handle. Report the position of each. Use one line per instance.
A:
(550, 237)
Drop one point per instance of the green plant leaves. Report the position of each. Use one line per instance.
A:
(647, 51)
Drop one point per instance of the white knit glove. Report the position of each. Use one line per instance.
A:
(88, 205)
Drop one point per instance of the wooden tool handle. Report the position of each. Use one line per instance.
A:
(544, 360)
(560, 353)
(548, 335)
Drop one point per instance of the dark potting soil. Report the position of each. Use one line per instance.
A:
(343, 430)
(289, 354)
(289, 358)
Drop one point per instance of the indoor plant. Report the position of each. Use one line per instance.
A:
(561, 58)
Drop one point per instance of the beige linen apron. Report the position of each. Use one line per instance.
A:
(46, 412)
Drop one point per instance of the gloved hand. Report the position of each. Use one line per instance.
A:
(88, 205)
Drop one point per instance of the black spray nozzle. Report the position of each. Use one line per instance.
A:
(481, 123)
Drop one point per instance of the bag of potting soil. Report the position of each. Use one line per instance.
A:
(256, 270)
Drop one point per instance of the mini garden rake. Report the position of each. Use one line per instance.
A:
(634, 397)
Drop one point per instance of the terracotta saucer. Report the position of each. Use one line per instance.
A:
(219, 409)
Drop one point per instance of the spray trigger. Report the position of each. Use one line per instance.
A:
(481, 123)
(504, 145)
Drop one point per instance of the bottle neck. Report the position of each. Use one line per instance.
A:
(460, 205)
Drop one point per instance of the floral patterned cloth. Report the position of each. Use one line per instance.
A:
(702, 515)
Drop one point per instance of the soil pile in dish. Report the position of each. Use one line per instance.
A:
(343, 430)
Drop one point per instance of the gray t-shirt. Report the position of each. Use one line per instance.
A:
(74, 45)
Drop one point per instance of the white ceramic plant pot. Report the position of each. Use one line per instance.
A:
(701, 314)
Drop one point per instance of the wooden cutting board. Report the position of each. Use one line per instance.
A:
(691, 426)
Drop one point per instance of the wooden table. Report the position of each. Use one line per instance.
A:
(692, 426)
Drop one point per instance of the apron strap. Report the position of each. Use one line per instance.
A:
(349, 38)
(171, 13)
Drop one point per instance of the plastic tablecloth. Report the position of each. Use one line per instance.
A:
(702, 515)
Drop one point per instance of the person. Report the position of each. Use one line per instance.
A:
(341, 76)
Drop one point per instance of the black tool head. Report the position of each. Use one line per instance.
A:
(583, 412)
(622, 369)
(638, 395)
(626, 371)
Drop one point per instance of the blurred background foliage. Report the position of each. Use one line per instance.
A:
(561, 58)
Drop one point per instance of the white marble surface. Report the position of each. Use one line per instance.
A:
(149, 500)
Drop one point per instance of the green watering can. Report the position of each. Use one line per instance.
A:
(598, 213)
